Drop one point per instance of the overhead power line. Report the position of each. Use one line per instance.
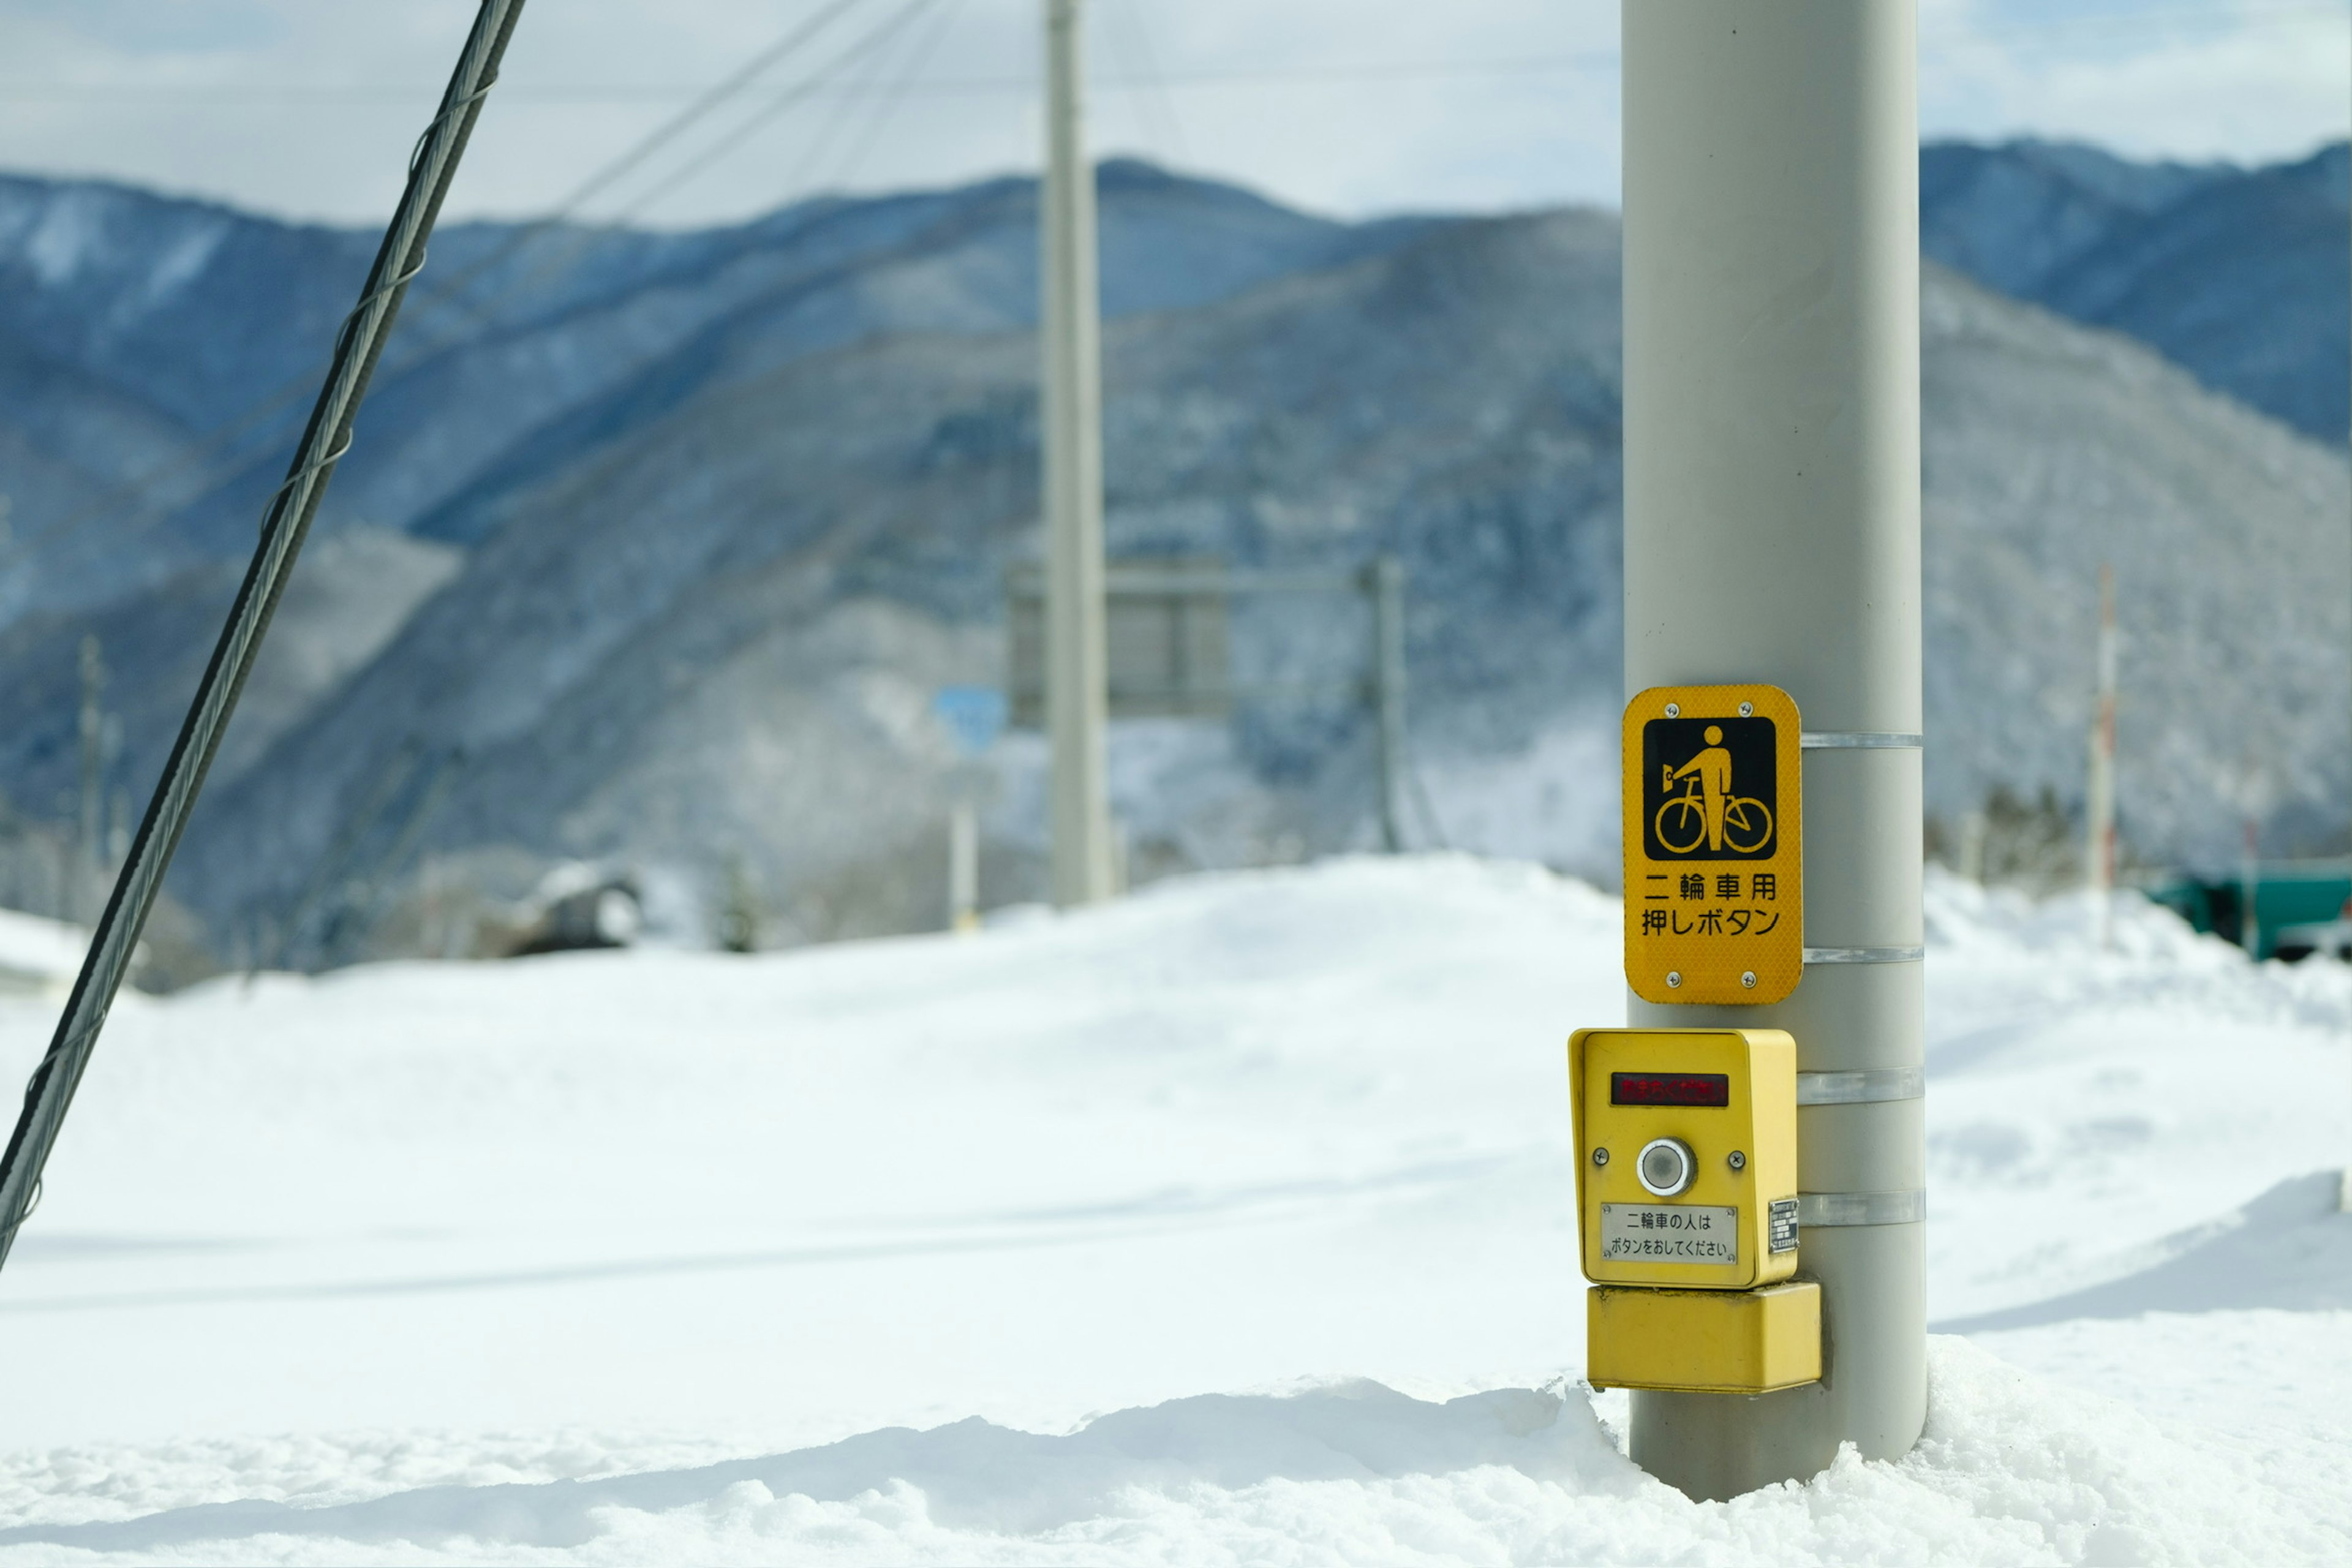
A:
(886, 100)
(1128, 32)
(556, 94)
(826, 82)
(677, 125)
(448, 292)
(553, 95)
(798, 93)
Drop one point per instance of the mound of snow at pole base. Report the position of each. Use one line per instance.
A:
(845, 1255)
(2011, 1471)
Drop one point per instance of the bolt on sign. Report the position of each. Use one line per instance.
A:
(1715, 881)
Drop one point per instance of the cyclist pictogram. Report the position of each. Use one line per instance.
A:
(1706, 811)
(1709, 788)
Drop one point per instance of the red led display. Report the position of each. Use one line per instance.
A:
(1669, 1089)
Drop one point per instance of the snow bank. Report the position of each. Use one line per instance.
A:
(2009, 1471)
(845, 1253)
(38, 955)
(2090, 1111)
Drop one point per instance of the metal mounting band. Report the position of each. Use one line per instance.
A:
(1868, 1088)
(1865, 955)
(1814, 1209)
(1860, 741)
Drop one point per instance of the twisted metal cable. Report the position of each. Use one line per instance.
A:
(286, 520)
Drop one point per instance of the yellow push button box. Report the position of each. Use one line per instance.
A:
(1703, 1341)
(1687, 1156)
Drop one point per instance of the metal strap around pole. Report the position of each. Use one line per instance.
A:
(1873, 1087)
(286, 520)
(1860, 741)
(1865, 955)
(1830, 1210)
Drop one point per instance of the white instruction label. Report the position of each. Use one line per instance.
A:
(1669, 1233)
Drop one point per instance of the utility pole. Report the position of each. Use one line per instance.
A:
(2099, 851)
(90, 823)
(2249, 888)
(1773, 535)
(963, 868)
(1069, 328)
(1388, 636)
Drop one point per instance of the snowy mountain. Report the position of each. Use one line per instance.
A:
(661, 563)
(2239, 274)
(525, 346)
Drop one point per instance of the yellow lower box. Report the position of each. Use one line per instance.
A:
(1703, 1341)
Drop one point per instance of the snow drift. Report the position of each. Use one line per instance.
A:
(1231, 1222)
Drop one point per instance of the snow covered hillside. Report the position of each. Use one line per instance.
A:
(1231, 1222)
(654, 550)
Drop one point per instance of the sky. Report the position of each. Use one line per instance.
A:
(307, 108)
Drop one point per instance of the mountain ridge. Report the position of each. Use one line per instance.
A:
(688, 597)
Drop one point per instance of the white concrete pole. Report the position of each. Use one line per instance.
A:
(2250, 885)
(2099, 848)
(1076, 678)
(1388, 693)
(89, 826)
(2344, 1184)
(1772, 534)
(963, 868)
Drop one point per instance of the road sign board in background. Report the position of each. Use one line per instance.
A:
(1164, 635)
(1714, 879)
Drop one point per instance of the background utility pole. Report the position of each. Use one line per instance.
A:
(90, 822)
(1772, 534)
(1076, 669)
(1388, 692)
(2099, 849)
(963, 868)
(2250, 885)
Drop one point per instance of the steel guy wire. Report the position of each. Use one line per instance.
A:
(804, 179)
(798, 93)
(1128, 24)
(777, 107)
(359, 345)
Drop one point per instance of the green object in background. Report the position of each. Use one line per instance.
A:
(2286, 894)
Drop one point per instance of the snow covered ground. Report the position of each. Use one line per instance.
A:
(1232, 1222)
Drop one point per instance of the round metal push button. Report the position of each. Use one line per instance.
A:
(1666, 1166)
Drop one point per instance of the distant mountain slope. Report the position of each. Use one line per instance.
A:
(726, 627)
(722, 631)
(2050, 450)
(2014, 214)
(553, 342)
(2240, 275)
(704, 518)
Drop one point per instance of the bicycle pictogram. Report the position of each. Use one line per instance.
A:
(1706, 812)
(1714, 821)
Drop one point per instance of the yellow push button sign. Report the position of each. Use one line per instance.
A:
(1686, 1205)
(1715, 881)
(1687, 1155)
